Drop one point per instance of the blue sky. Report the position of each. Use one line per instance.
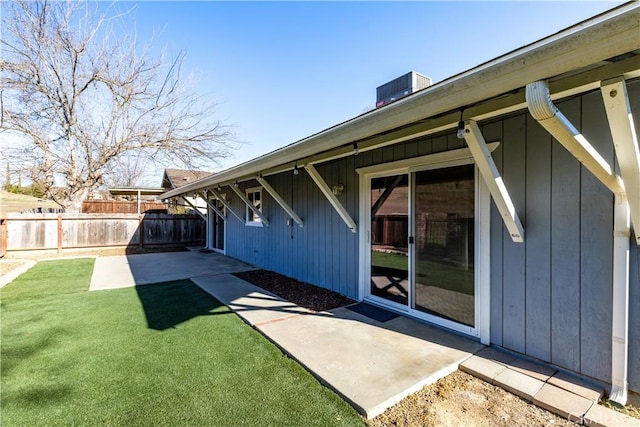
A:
(283, 71)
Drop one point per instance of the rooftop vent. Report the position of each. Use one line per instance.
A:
(401, 87)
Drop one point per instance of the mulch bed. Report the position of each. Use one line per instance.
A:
(305, 295)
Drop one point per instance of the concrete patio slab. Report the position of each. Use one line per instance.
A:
(372, 365)
(123, 271)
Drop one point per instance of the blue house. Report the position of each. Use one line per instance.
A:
(502, 203)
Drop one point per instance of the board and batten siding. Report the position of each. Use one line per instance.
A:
(551, 296)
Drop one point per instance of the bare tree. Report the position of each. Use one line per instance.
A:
(82, 94)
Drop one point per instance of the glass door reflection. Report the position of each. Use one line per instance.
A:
(444, 222)
(389, 238)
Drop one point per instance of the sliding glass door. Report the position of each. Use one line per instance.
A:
(444, 248)
(422, 247)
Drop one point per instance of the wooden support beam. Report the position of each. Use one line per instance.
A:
(203, 216)
(212, 206)
(322, 185)
(247, 202)
(625, 142)
(489, 171)
(280, 200)
(226, 204)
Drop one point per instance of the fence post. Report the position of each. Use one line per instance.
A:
(3, 237)
(59, 233)
(141, 230)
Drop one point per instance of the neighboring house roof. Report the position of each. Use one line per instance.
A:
(574, 61)
(176, 178)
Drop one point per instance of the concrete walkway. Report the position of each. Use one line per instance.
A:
(124, 271)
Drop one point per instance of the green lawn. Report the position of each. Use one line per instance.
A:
(157, 355)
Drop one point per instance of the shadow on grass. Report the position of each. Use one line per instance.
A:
(45, 395)
(169, 304)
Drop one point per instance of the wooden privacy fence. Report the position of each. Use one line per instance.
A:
(65, 231)
(120, 206)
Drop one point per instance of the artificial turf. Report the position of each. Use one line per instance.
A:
(160, 355)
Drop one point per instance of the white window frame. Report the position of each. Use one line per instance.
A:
(250, 218)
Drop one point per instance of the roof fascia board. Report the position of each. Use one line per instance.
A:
(605, 36)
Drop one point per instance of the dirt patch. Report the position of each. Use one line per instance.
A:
(463, 400)
(303, 294)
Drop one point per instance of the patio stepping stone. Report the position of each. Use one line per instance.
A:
(518, 383)
(562, 402)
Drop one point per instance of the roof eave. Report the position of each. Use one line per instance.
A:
(605, 36)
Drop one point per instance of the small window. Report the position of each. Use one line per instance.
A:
(255, 198)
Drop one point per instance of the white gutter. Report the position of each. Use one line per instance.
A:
(620, 310)
(605, 36)
(542, 109)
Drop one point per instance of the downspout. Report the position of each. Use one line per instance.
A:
(547, 114)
